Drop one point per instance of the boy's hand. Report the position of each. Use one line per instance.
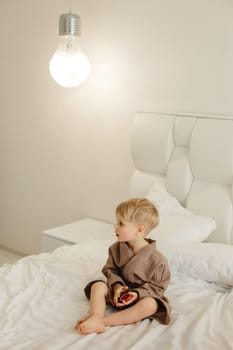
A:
(122, 296)
(128, 297)
(118, 289)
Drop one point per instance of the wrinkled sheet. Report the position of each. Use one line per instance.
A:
(41, 298)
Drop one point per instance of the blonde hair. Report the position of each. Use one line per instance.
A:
(138, 211)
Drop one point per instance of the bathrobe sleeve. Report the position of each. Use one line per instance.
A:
(111, 271)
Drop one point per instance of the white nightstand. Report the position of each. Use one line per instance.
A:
(76, 232)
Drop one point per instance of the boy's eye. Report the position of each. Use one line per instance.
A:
(120, 223)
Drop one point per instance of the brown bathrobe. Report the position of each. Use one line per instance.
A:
(145, 272)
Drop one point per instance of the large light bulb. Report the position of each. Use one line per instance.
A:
(68, 66)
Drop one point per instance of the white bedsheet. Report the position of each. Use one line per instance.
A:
(41, 298)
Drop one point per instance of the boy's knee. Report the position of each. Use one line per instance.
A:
(99, 285)
(94, 285)
(150, 304)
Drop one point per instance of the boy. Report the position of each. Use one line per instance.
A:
(137, 274)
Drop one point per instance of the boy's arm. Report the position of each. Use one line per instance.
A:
(112, 272)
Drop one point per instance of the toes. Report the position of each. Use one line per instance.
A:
(81, 321)
(81, 329)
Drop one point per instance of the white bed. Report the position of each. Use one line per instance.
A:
(177, 158)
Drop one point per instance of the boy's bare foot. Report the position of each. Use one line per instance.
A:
(81, 321)
(93, 324)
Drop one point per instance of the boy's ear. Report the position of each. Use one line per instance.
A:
(141, 229)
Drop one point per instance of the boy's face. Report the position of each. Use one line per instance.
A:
(126, 231)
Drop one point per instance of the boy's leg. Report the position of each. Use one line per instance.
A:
(99, 292)
(143, 308)
(94, 323)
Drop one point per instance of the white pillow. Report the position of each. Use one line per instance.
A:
(177, 225)
(211, 262)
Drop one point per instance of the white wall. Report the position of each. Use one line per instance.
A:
(65, 152)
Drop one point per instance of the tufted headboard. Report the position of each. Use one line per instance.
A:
(193, 156)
